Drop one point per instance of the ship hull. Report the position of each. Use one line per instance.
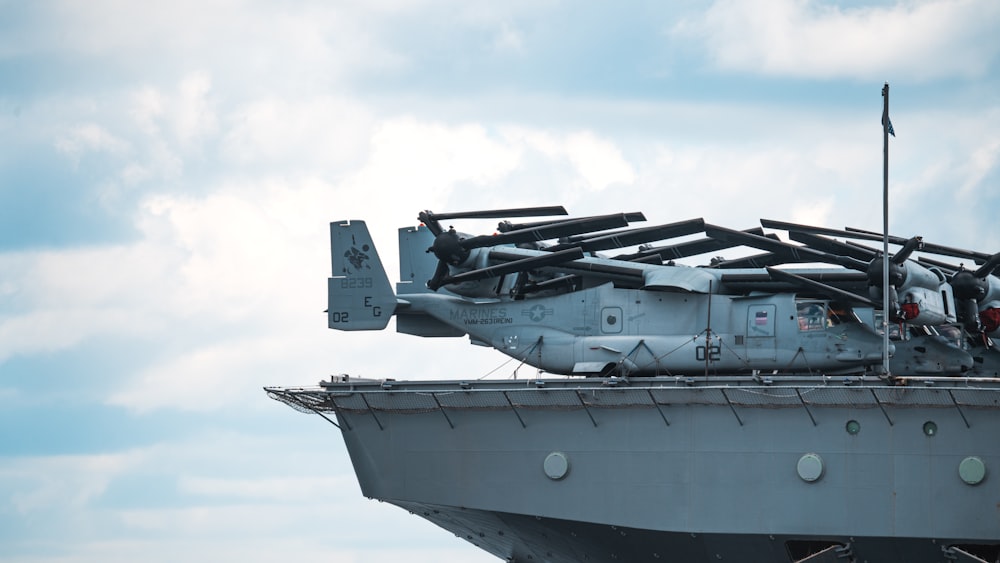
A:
(670, 469)
(520, 537)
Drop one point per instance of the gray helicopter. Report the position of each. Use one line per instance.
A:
(563, 308)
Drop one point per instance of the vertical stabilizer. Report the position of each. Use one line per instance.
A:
(416, 265)
(359, 294)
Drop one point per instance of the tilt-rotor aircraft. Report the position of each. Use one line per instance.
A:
(542, 293)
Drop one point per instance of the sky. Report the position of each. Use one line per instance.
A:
(168, 172)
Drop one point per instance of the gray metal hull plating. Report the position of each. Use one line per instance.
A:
(674, 469)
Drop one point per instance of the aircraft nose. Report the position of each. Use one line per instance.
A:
(960, 362)
(877, 354)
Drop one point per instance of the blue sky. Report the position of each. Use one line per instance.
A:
(168, 171)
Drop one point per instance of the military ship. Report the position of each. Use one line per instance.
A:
(726, 412)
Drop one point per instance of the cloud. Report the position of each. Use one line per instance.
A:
(318, 134)
(89, 137)
(164, 38)
(61, 482)
(811, 39)
(211, 496)
(509, 39)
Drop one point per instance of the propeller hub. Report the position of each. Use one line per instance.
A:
(448, 248)
(897, 273)
(967, 286)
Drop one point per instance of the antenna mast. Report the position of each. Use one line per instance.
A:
(885, 230)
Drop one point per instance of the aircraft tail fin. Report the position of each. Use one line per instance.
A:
(359, 294)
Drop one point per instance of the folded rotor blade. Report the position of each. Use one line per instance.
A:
(549, 231)
(501, 213)
(798, 253)
(507, 226)
(521, 265)
(988, 267)
(689, 248)
(915, 243)
(633, 237)
(845, 233)
(755, 261)
(819, 287)
(432, 220)
(824, 244)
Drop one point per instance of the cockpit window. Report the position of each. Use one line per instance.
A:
(839, 314)
(812, 316)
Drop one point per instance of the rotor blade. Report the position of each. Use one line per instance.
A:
(651, 259)
(915, 243)
(819, 287)
(633, 237)
(507, 226)
(977, 257)
(550, 231)
(755, 261)
(948, 268)
(686, 249)
(931, 248)
(846, 233)
(501, 213)
(432, 220)
(988, 267)
(626, 273)
(824, 244)
(440, 273)
(799, 253)
(521, 265)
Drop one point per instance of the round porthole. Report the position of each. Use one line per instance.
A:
(556, 465)
(852, 427)
(930, 428)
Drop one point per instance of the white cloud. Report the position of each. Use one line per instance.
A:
(427, 160)
(89, 137)
(195, 117)
(808, 38)
(246, 45)
(217, 496)
(599, 161)
(296, 489)
(46, 484)
(59, 298)
(509, 39)
(321, 133)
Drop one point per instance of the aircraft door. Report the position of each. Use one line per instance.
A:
(761, 343)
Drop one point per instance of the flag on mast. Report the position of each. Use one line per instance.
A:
(886, 122)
